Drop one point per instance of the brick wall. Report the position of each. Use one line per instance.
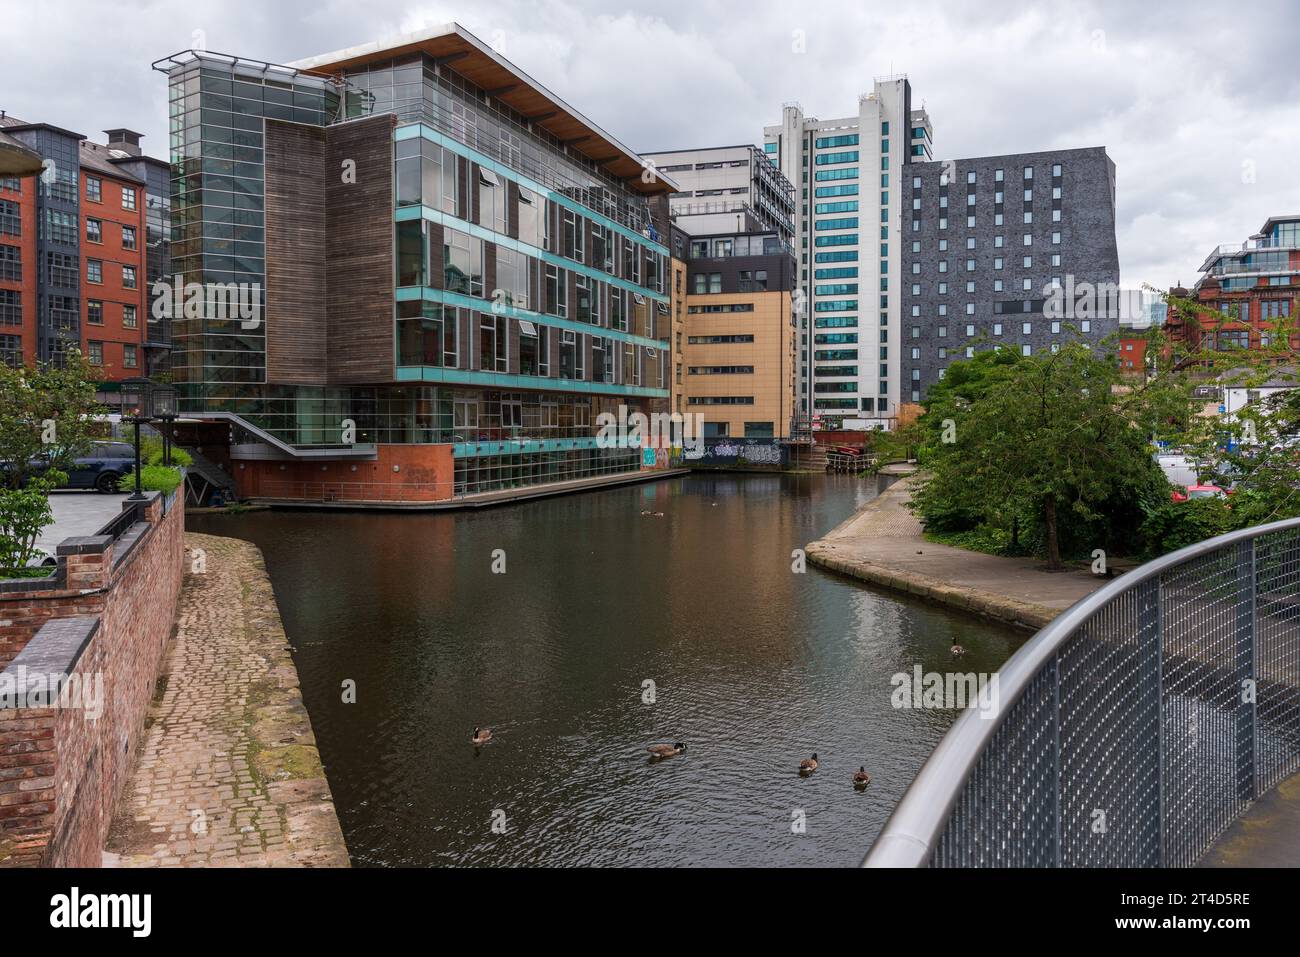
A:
(425, 473)
(107, 616)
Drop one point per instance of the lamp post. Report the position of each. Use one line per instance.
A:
(135, 409)
(163, 405)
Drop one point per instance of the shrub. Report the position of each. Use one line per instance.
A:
(1169, 526)
(151, 453)
(153, 478)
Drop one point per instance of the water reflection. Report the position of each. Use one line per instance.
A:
(752, 666)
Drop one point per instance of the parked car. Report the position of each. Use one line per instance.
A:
(100, 468)
(1198, 491)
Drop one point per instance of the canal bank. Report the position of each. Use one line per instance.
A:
(228, 773)
(883, 544)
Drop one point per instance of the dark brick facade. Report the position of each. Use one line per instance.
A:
(1087, 251)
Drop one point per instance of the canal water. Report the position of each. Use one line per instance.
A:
(686, 583)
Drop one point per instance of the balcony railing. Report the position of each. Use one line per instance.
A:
(1132, 730)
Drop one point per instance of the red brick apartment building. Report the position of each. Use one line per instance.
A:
(114, 293)
(72, 255)
(1248, 295)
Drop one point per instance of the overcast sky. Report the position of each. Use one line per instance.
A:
(1197, 103)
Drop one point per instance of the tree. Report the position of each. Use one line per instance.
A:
(46, 417)
(1059, 439)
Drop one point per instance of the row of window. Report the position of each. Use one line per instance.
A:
(521, 281)
(431, 334)
(941, 332)
(95, 314)
(95, 233)
(95, 274)
(95, 193)
(429, 174)
(746, 281)
(95, 354)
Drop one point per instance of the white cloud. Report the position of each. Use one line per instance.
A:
(1181, 96)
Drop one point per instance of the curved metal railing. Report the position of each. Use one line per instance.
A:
(1132, 730)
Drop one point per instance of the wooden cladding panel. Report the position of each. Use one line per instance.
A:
(295, 254)
(359, 252)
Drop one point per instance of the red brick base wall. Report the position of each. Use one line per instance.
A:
(61, 773)
(398, 473)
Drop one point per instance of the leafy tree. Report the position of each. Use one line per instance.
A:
(24, 513)
(46, 417)
(1060, 441)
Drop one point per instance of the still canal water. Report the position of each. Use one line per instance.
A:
(754, 668)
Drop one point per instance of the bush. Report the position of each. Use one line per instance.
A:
(23, 514)
(153, 478)
(1170, 525)
(151, 453)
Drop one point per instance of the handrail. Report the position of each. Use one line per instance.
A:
(913, 831)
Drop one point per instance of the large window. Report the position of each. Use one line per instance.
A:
(426, 334)
(462, 262)
(557, 291)
(532, 213)
(493, 343)
(572, 236)
(491, 201)
(512, 278)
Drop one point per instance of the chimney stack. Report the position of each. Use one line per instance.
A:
(128, 141)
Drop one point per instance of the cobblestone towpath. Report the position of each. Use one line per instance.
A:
(228, 773)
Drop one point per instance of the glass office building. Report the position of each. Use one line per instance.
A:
(440, 251)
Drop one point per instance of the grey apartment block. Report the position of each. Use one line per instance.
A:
(976, 283)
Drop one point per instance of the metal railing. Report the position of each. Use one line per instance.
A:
(1132, 730)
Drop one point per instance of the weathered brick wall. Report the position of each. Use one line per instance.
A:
(60, 772)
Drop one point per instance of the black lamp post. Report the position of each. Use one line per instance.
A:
(163, 404)
(135, 409)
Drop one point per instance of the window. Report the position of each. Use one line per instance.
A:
(493, 343)
(130, 356)
(512, 278)
(94, 312)
(128, 277)
(128, 237)
(572, 236)
(491, 201)
(94, 271)
(128, 197)
(557, 291)
(96, 354)
(94, 189)
(532, 210)
(462, 263)
(94, 231)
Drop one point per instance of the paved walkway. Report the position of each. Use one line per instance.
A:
(79, 513)
(228, 774)
(882, 544)
(1267, 835)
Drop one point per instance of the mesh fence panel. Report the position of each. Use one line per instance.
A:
(1153, 725)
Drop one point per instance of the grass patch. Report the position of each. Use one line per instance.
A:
(986, 539)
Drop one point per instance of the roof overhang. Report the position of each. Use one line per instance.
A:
(1273, 221)
(16, 159)
(485, 68)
